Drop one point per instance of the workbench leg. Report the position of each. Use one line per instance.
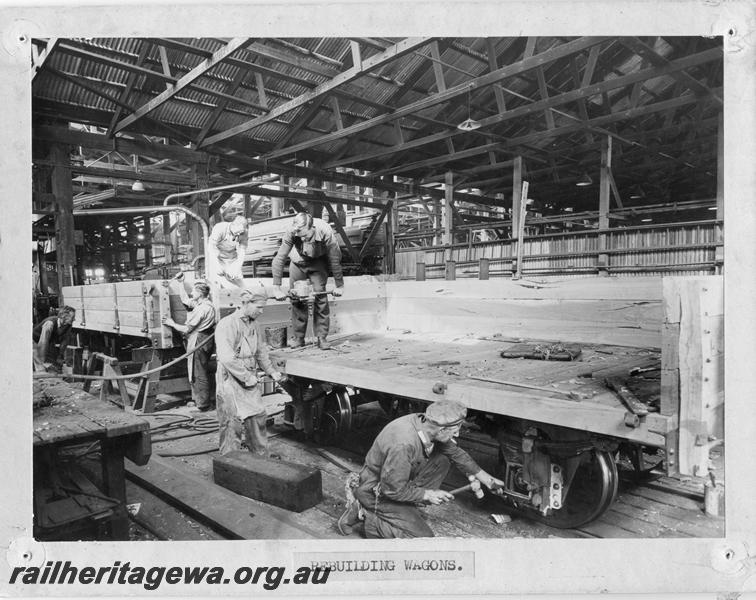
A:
(89, 370)
(114, 484)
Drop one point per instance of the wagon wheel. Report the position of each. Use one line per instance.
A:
(335, 417)
(591, 492)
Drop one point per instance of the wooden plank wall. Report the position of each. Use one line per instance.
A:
(678, 249)
(363, 308)
(133, 308)
(693, 366)
(606, 310)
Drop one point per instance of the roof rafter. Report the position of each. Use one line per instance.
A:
(484, 80)
(197, 72)
(527, 109)
(551, 133)
(645, 51)
(374, 62)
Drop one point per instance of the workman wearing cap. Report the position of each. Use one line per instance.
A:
(227, 246)
(199, 325)
(405, 467)
(242, 351)
(313, 248)
(49, 333)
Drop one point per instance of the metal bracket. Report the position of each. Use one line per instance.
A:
(556, 486)
(145, 320)
(83, 314)
(117, 324)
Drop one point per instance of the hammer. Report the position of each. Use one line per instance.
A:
(474, 485)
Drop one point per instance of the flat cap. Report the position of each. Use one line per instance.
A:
(446, 413)
(257, 294)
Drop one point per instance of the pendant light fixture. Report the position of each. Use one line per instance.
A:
(468, 124)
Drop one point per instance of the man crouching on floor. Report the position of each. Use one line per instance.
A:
(405, 467)
(241, 350)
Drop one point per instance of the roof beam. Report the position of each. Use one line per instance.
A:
(171, 132)
(197, 72)
(230, 89)
(130, 81)
(550, 133)
(525, 110)
(487, 79)
(374, 62)
(39, 58)
(645, 51)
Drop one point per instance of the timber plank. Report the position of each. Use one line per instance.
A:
(236, 516)
(161, 518)
(675, 500)
(417, 315)
(695, 523)
(590, 288)
(603, 527)
(653, 526)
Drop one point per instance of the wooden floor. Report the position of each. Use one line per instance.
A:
(655, 509)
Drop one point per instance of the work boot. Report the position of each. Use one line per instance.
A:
(297, 342)
(349, 519)
(324, 344)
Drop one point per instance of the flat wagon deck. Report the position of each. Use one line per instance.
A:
(427, 367)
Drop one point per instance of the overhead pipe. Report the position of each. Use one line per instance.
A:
(230, 186)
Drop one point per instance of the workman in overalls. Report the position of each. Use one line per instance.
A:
(227, 246)
(48, 333)
(313, 248)
(199, 325)
(405, 467)
(241, 350)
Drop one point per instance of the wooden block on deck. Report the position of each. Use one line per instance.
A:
(288, 485)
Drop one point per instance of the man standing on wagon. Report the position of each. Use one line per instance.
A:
(313, 248)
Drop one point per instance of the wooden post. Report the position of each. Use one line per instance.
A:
(64, 222)
(516, 188)
(200, 205)
(694, 318)
(483, 264)
(275, 207)
(131, 236)
(437, 238)
(420, 271)
(447, 210)
(450, 273)
(521, 230)
(604, 200)
(147, 241)
(167, 244)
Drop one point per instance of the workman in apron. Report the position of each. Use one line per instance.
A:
(49, 333)
(227, 246)
(199, 325)
(242, 351)
(405, 467)
(313, 248)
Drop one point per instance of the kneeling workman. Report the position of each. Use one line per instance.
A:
(313, 248)
(241, 351)
(200, 324)
(405, 467)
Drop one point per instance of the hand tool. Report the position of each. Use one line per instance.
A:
(474, 486)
